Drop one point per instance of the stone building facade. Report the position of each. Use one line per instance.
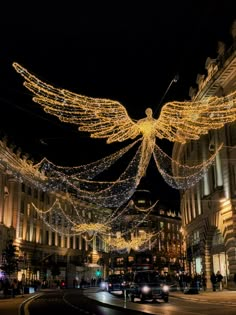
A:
(165, 251)
(209, 208)
(39, 247)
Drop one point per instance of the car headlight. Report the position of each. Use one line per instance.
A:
(165, 288)
(146, 289)
(103, 285)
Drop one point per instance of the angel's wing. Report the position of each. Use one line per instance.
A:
(102, 118)
(182, 121)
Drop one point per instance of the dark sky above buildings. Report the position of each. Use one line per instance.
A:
(122, 52)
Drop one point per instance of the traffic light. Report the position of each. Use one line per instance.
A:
(98, 273)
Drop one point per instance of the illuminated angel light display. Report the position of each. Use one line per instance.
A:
(72, 223)
(108, 119)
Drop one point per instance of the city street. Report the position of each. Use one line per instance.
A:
(95, 301)
(117, 159)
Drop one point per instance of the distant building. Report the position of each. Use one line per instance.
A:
(164, 252)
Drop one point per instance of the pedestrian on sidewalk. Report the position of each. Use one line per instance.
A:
(14, 286)
(213, 281)
(219, 279)
(6, 287)
(204, 281)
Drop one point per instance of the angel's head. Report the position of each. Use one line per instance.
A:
(148, 112)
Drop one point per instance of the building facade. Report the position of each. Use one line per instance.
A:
(46, 252)
(164, 251)
(209, 208)
(40, 247)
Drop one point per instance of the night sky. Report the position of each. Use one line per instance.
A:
(121, 52)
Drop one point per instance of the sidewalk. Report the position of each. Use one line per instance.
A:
(223, 297)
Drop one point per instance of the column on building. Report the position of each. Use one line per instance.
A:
(3, 194)
(218, 165)
(193, 203)
(188, 205)
(198, 194)
(10, 203)
(18, 223)
(225, 166)
(206, 260)
(14, 186)
(231, 253)
(206, 185)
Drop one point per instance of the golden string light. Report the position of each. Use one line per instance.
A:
(104, 118)
(108, 194)
(136, 242)
(91, 228)
(68, 219)
(108, 119)
(187, 175)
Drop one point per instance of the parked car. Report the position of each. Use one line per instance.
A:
(148, 285)
(116, 283)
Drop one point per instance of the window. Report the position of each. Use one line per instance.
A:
(28, 232)
(23, 187)
(20, 235)
(77, 243)
(28, 210)
(59, 240)
(141, 201)
(41, 236)
(47, 238)
(22, 207)
(120, 261)
(53, 239)
(35, 194)
(42, 196)
(34, 235)
(72, 242)
(130, 258)
(196, 237)
(83, 244)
